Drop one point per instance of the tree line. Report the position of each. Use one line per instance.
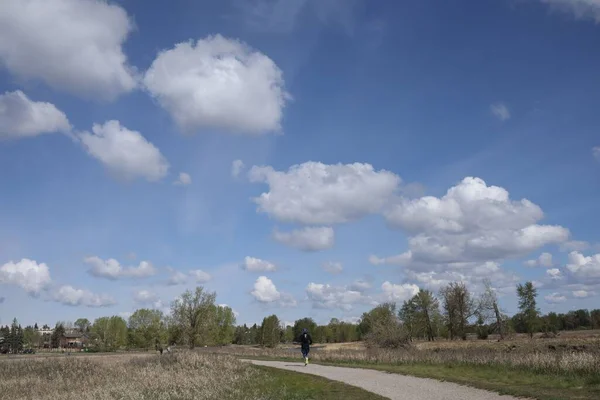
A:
(195, 320)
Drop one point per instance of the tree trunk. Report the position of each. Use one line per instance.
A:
(499, 321)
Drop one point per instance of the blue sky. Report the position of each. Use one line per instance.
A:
(304, 158)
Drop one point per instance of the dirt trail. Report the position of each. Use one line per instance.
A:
(392, 386)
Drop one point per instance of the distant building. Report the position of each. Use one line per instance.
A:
(73, 340)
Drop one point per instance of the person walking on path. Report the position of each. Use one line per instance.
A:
(305, 342)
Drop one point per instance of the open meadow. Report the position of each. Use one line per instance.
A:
(183, 375)
(566, 367)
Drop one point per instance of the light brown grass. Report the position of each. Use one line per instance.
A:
(178, 376)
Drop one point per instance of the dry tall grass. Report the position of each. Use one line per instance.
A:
(178, 376)
(553, 357)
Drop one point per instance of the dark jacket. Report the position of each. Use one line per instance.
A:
(305, 340)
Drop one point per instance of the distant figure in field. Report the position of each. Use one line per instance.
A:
(305, 342)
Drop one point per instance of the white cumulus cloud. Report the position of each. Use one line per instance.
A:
(471, 222)
(314, 193)
(125, 153)
(584, 269)
(200, 276)
(555, 298)
(113, 270)
(144, 296)
(398, 293)
(544, 260)
(21, 117)
(27, 274)
(71, 45)
(580, 294)
(265, 291)
(220, 83)
(596, 152)
(500, 111)
(179, 277)
(341, 297)
(70, 296)
(257, 265)
(307, 239)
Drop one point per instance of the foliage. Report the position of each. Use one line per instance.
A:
(270, 331)
(191, 312)
(303, 323)
(459, 307)
(527, 304)
(110, 332)
(59, 331)
(83, 325)
(147, 328)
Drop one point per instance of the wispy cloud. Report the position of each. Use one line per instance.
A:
(500, 111)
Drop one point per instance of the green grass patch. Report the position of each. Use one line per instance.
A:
(516, 382)
(288, 385)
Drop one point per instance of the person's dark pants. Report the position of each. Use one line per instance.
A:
(305, 351)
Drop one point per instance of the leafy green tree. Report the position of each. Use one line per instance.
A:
(527, 304)
(147, 328)
(307, 323)
(289, 334)
(225, 325)
(83, 325)
(110, 332)
(15, 338)
(408, 317)
(426, 307)
(192, 312)
(31, 337)
(270, 331)
(59, 331)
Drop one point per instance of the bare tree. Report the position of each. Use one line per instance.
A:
(459, 307)
(192, 312)
(488, 307)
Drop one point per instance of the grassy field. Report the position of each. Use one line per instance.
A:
(547, 369)
(181, 376)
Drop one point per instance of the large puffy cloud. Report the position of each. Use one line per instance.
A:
(314, 193)
(70, 296)
(307, 239)
(472, 222)
(584, 269)
(265, 291)
(218, 83)
(582, 9)
(544, 260)
(71, 45)
(125, 153)
(28, 274)
(113, 270)
(342, 297)
(21, 117)
(398, 293)
(257, 265)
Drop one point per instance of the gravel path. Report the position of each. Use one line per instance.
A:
(393, 386)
